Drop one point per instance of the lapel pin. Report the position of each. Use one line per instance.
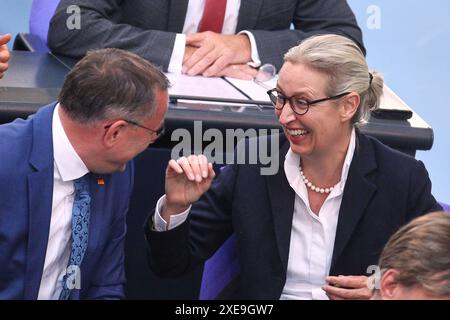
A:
(101, 181)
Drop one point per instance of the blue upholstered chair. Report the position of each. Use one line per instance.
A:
(219, 272)
(40, 15)
(445, 206)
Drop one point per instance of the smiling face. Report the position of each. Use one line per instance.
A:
(326, 127)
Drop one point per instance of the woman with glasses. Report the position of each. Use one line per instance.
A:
(315, 229)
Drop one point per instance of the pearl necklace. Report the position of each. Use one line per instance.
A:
(313, 187)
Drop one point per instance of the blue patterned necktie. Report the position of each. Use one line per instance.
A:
(80, 228)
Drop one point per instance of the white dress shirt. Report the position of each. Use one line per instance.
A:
(312, 236)
(191, 24)
(175, 220)
(67, 167)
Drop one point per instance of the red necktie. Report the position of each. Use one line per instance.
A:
(213, 16)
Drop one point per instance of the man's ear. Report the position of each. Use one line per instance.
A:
(350, 106)
(388, 284)
(113, 133)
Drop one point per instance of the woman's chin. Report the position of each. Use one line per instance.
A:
(299, 144)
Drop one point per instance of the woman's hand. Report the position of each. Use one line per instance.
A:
(348, 287)
(186, 180)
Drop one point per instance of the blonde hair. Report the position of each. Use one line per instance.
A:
(420, 252)
(344, 63)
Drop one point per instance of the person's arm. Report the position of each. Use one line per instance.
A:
(101, 28)
(311, 17)
(177, 251)
(420, 198)
(4, 54)
(215, 52)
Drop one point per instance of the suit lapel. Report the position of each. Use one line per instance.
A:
(358, 192)
(98, 203)
(177, 15)
(248, 14)
(40, 191)
(281, 197)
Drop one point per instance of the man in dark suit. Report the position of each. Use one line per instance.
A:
(66, 179)
(154, 30)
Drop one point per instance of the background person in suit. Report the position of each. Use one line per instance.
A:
(4, 54)
(415, 263)
(337, 197)
(110, 108)
(170, 33)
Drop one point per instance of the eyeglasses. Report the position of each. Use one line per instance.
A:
(299, 106)
(265, 73)
(160, 132)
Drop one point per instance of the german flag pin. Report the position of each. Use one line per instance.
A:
(100, 181)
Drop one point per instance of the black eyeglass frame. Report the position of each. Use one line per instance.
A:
(294, 105)
(159, 133)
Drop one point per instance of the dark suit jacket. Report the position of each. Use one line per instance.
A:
(384, 190)
(26, 188)
(148, 27)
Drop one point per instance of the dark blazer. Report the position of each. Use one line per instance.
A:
(26, 188)
(148, 27)
(384, 190)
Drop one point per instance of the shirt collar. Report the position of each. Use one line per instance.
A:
(348, 159)
(292, 161)
(68, 162)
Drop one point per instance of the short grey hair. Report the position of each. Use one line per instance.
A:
(111, 83)
(344, 63)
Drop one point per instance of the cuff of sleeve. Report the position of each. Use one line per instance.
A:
(176, 60)
(175, 220)
(256, 61)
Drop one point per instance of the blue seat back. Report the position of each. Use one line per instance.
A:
(41, 13)
(445, 206)
(220, 270)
